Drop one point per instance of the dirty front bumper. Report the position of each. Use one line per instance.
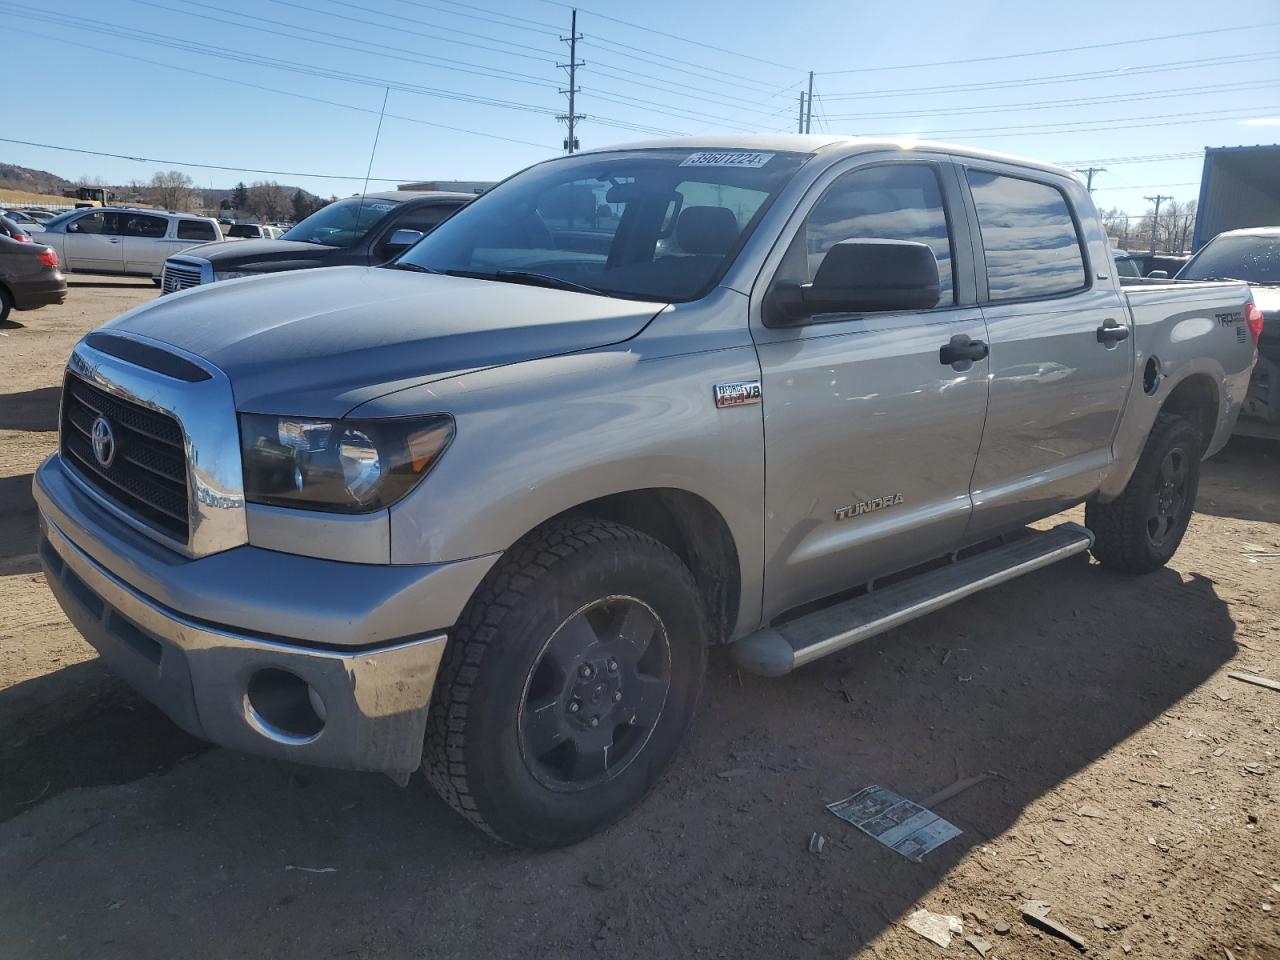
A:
(269, 692)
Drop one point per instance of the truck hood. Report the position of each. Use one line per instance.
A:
(264, 255)
(321, 342)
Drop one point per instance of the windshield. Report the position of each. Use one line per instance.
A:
(660, 225)
(1254, 259)
(342, 223)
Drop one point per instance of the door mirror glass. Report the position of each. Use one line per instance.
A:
(402, 240)
(865, 276)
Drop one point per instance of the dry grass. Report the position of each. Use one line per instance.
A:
(26, 198)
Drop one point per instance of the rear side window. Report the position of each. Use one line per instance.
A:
(891, 202)
(1028, 235)
(141, 225)
(195, 230)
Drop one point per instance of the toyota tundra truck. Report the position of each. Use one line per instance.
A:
(485, 509)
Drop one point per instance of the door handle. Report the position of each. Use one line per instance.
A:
(1111, 332)
(113, 239)
(962, 350)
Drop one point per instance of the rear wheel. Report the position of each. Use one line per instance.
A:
(568, 684)
(1141, 529)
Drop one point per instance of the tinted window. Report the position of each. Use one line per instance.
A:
(141, 225)
(1029, 237)
(245, 231)
(1255, 259)
(895, 202)
(195, 230)
(343, 223)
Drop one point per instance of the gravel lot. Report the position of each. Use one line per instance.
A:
(1136, 790)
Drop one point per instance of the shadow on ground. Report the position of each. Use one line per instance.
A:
(19, 526)
(1242, 481)
(30, 409)
(1036, 679)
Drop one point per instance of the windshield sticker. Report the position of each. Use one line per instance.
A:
(379, 206)
(718, 158)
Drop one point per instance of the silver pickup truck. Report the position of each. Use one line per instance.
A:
(485, 510)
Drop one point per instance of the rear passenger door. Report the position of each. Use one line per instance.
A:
(144, 242)
(93, 243)
(871, 438)
(190, 232)
(1059, 368)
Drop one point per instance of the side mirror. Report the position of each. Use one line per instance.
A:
(73, 227)
(403, 240)
(864, 276)
(1158, 275)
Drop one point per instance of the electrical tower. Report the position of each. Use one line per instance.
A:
(1089, 172)
(800, 122)
(1155, 217)
(808, 107)
(572, 117)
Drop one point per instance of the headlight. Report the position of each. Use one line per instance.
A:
(233, 274)
(344, 466)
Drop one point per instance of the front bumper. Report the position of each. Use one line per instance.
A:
(280, 691)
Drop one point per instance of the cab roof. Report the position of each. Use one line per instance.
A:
(827, 144)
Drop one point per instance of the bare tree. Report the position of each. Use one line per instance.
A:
(173, 191)
(268, 200)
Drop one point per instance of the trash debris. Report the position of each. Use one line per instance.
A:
(982, 946)
(1002, 927)
(946, 793)
(1099, 923)
(816, 842)
(1222, 694)
(1092, 811)
(1256, 680)
(115, 904)
(27, 803)
(733, 773)
(935, 927)
(312, 869)
(1036, 912)
(1066, 840)
(895, 821)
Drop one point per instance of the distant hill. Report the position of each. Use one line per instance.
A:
(14, 177)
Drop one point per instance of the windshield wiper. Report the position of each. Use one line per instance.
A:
(415, 267)
(526, 276)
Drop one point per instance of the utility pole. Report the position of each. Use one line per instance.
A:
(1089, 176)
(808, 109)
(572, 117)
(1155, 217)
(800, 122)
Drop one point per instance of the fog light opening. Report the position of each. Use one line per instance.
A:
(285, 706)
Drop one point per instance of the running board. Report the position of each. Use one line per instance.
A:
(774, 651)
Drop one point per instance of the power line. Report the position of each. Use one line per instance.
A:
(1089, 172)
(1040, 53)
(1147, 158)
(1152, 186)
(1111, 74)
(203, 166)
(1177, 93)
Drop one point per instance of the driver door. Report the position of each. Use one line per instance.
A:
(871, 438)
(93, 243)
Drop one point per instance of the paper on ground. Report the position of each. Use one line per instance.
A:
(895, 821)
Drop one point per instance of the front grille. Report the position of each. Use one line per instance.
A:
(179, 276)
(147, 476)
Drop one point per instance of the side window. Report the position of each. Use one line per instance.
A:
(95, 223)
(1030, 240)
(195, 230)
(424, 219)
(142, 225)
(890, 202)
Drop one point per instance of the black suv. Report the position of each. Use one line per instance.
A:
(365, 231)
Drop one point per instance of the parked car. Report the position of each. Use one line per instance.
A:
(25, 221)
(10, 229)
(1162, 265)
(29, 277)
(484, 509)
(365, 231)
(1251, 255)
(253, 231)
(1128, 266)
(125, 240)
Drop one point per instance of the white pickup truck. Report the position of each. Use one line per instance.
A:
(484, 509)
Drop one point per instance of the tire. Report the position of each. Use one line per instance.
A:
(538, 652)
(1140, 530)
(6, 304)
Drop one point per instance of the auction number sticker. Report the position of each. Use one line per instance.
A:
(720, 158)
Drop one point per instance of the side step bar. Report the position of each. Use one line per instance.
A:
(774, 651)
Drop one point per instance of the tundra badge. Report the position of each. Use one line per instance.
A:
(737, 394)
(868, 506)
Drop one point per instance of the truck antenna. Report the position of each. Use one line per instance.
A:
(386, 92)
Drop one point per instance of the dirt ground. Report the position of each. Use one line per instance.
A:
(1136, 790)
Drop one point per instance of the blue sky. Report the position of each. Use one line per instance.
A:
(296, 85)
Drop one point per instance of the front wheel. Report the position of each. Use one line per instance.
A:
(567, 685)
(1140, 530)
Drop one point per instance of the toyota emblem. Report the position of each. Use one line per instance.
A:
(104, 441)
